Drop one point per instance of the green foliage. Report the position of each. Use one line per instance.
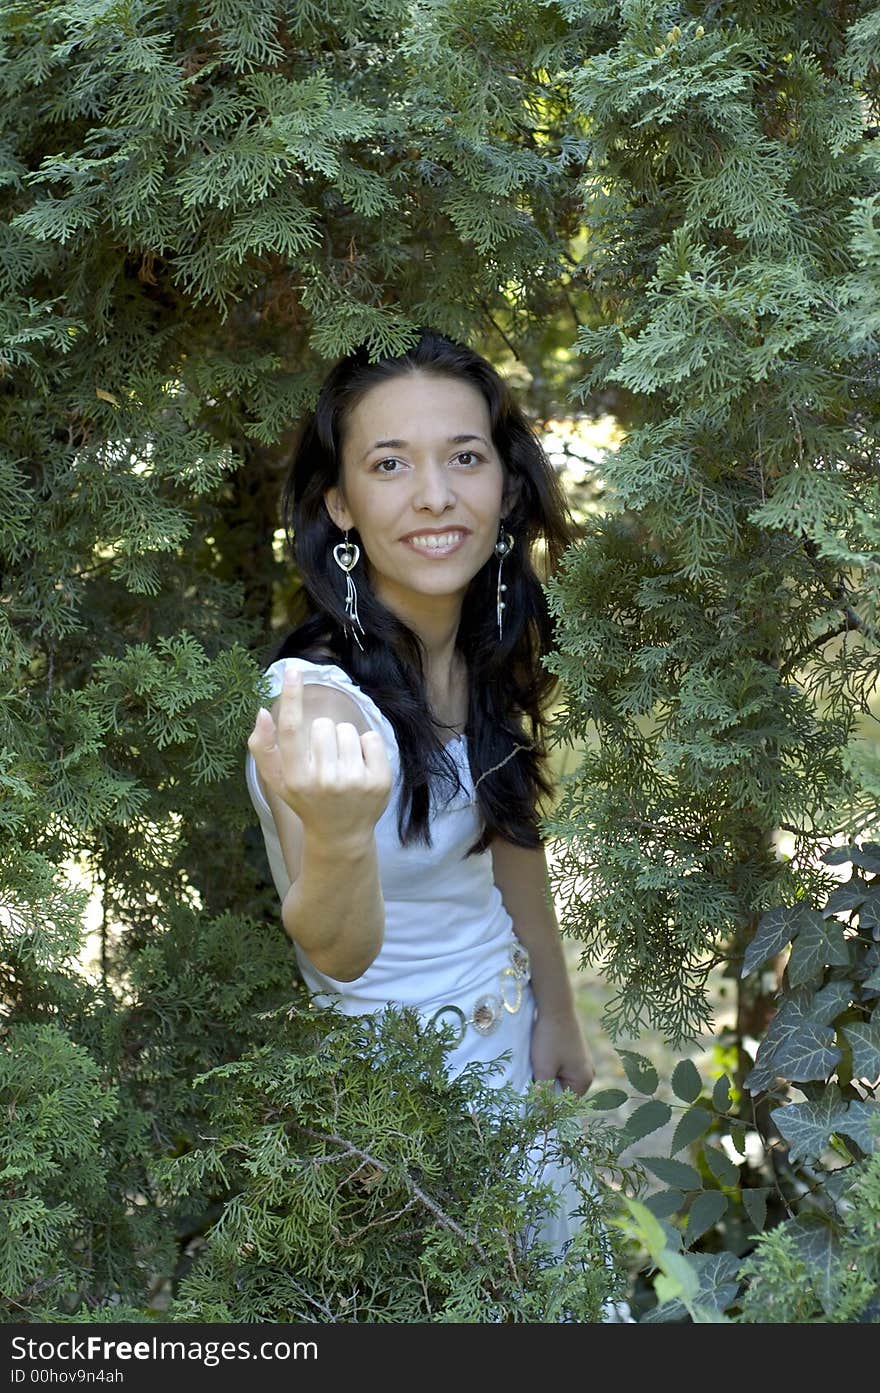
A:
(202, 204)
(718, 628)
(55, 1113)
(363, 1193)
(781, 1199)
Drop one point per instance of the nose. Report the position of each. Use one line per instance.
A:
(434, 488)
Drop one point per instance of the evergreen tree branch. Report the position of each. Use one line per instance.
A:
(846, 627)
(348, 1149)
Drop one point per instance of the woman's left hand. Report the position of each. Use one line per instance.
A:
(559, 1051)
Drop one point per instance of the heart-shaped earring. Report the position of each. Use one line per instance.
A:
(347, 555)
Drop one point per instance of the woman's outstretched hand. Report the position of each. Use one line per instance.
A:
(337, 781)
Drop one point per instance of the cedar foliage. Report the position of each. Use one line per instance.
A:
(719, 629)
(206, 201)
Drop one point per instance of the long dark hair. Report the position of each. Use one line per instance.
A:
(507, 685)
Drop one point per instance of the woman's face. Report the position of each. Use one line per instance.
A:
(423, 484)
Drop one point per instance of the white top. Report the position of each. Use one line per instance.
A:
(448, 935)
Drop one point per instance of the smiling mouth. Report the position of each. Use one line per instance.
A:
(437, 545)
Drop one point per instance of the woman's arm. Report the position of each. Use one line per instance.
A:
(558, 1047)
(333, 908)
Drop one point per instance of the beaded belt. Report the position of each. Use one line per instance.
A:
(488, 1010)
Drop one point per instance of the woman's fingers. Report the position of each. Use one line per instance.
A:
(375, 756)
(263, 745)
(314, 764)
(293, 737)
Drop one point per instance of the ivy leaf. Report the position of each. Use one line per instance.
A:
(865, 1042)
(694, 1123)
(675, 1173)
(872, 983)
(755, 1202)
(827, 1004)
(787, 1019)
(718, 1278)
(721, 1094)
(646, 1119)
(849, 897)
(837, 855)
(869, 915)
(800, 1007)
(664, 1203)
(686, 1082)
(607, 1099)
(818, 1244)
(775, 929)
(867, 857)
(639, 1070)
(705, 1211)
(809, 1052)
(816, 945)
(721, 1166)
(808, 1127)
(860, 1124)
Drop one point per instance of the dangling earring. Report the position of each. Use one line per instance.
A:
(503, 547)
(346, 555)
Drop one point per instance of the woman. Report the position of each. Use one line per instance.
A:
(396, 786)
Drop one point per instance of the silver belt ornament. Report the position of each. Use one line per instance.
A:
(488, 1010)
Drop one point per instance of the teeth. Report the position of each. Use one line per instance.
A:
(436, 543)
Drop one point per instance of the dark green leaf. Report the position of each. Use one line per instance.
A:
(869, 914)
(692, 1125)
(639, 1070)
(865, 1042)
(646, 1119)
(723, 1169)
(775, 930)
(755, 1202)
(861, 1124)
(872, 983)
(848, 897)
(827, 1004)
(718, 1279)
(819, 943)
(808, 1127)
(721, 1093)
(738, 1136)
(675, 1173)
(607, 1098)
(837, 856)
(789, 1018)
(808, 1053)
(705, 1211)
(686, 1081)
(818, 1244)
(664, 1203)
(867, 857)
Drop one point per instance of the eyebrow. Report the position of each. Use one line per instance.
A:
(402, 444)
